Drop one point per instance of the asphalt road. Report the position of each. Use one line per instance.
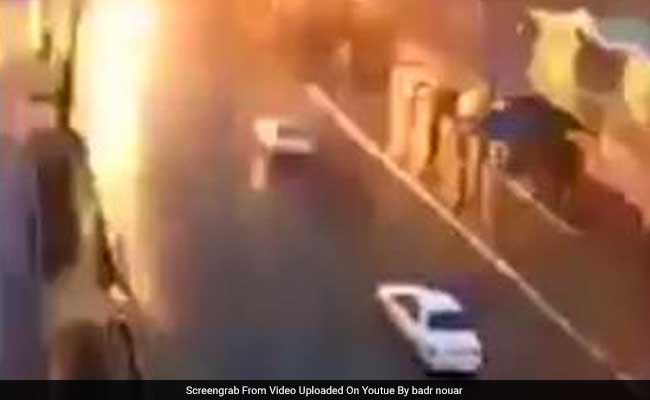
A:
(280, 284)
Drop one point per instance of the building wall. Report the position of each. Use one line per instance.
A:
(58, 19)
(469, 42)
(448, 39)
(20, 73)
(608, 91)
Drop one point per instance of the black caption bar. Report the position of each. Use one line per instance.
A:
(452, 389)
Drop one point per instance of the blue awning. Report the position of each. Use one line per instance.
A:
(528, 117)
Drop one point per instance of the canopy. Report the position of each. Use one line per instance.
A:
(528, 117)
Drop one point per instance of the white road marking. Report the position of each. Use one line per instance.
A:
(500, 265)
(524, 194)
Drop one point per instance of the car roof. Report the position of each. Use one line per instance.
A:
(281, 120)
(271, 125)
(437, 300)
(428, 297)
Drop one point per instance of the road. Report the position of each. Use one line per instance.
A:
(239, 284)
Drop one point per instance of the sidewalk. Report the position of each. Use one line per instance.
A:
(600, 285)
(68, 205)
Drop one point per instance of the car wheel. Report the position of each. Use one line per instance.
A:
(427, 370)
(430, 372)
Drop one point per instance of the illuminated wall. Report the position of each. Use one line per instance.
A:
(20, 73)
(449, 39)
(115, 40)
(607, 86)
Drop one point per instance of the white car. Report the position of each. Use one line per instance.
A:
(285, 136)
(436, 324)
(279, 136)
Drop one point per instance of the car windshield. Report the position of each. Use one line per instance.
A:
(290, 132)
(449, 321)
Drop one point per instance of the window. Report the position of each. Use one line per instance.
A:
(289, 132)
(449, 321)
(410, 305)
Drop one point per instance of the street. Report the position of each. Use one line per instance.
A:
(239, 284)
(234, 283)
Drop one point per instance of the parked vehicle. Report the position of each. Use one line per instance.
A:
(277, 136)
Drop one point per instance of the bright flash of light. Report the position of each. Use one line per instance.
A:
(114, 63)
